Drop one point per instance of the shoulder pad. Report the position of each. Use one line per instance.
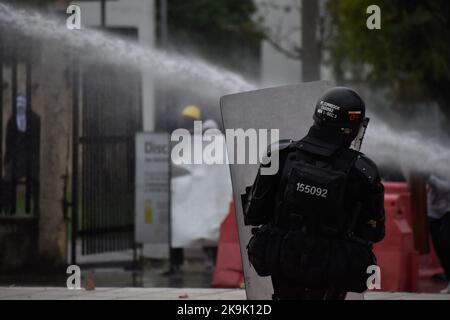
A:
(279, 146)
(367, 168)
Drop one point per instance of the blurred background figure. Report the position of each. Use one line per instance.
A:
(219, 178)
(189, 114)
(439, 220)
(203, 195)
(22, 153)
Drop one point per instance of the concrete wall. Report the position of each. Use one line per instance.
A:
(18, 242)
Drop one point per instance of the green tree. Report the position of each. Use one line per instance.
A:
(206, 16)
(409, 54)
(220, 31)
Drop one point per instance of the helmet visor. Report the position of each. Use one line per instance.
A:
(357, 142)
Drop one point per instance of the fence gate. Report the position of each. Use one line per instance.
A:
(107, 114)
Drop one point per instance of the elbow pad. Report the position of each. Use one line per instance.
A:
(373, 219)
(257, 202)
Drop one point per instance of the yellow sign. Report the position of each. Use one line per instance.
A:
(148, 212)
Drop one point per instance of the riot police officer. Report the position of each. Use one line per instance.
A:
(318, 217)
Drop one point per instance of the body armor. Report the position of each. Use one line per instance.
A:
(318, 216)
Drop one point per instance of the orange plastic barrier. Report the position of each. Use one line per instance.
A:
(228, 272)
(400, 189)
(397, 258)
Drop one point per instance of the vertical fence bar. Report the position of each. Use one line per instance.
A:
(84, 161)
(88, 188)
(102, 147)
(93, 135)
(109, 195)
(14, 133)
(75, 157)
(29, 132)
(1, 122)
(93, 161)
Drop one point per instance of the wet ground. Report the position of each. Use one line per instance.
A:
(46, 293)
(118, 271)
(194, 273)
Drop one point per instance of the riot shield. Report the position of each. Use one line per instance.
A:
(287, 108)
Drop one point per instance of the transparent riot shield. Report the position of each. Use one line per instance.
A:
(288, 109)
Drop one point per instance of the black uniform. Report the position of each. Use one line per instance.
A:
(319, 216)
(22, 153)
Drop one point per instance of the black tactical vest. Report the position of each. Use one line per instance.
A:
(311, 194)
(309, 240)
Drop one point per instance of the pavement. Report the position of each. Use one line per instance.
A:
(59, 293)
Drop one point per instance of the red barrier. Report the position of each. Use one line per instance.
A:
(397, 258)
(228, 272)
(395, 188)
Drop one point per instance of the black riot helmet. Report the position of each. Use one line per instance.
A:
(341, 110)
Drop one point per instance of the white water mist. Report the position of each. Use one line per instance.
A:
(413, 151)
(114, 49)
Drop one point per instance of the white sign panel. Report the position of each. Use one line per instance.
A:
(152, 197)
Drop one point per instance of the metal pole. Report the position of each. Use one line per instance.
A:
(75, 137)
(163, 22)
(164, 35)
(310, 45)
(103, 13)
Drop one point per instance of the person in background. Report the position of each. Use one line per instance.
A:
(219, 201)
(22, 145)
(189, 114)
(439, 220)
(201, 196)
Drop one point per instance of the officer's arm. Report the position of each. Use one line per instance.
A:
(259, 200)
(371, 226)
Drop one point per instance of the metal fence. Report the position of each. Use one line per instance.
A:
(107, 114)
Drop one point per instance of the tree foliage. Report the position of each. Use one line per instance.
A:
(412, 47)
(209, 16)
(219, 31)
